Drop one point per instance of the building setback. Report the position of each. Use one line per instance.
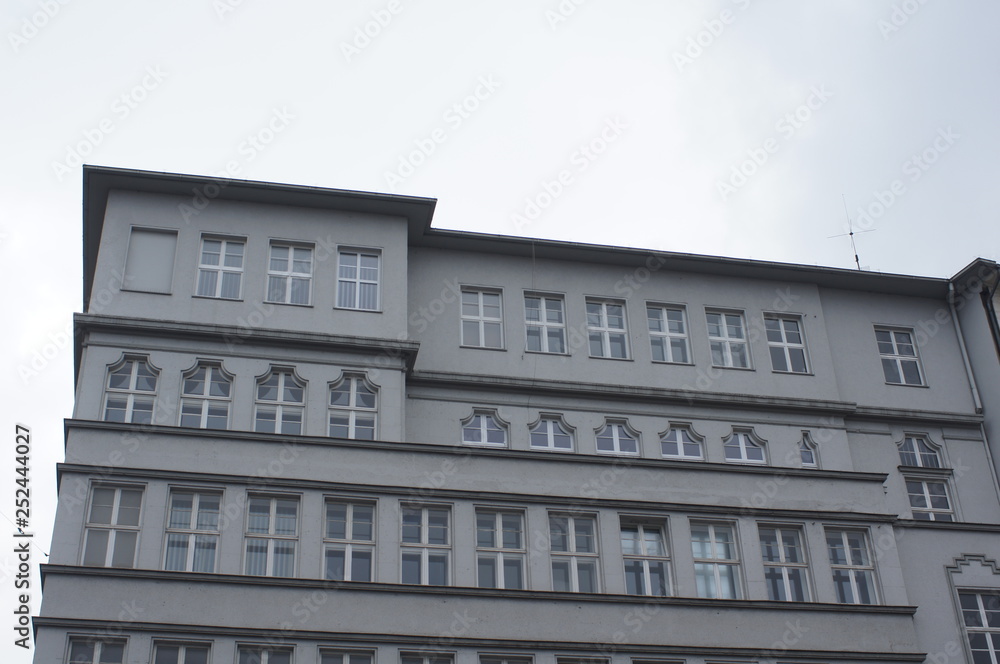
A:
(311, 429)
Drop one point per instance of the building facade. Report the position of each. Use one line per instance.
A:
(311, 429)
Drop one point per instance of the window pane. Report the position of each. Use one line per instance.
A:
(361, 566)
(124, 553)
(487, 572)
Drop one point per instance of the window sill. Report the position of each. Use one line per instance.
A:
(289, 304)
(679, 364)
(793, 373)
(719, 366)
(616, 359)
(146, 292)
(364, 311)
(217, 299)
(545, 352)
(906, 384)
(484, 348)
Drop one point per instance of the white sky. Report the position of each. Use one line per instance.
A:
(885, 86)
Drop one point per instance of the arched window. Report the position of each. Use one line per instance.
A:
(617, 437)
(131, 391)
(916, 451)
(551, 433)
(353, 408)
(807, 451)
(680, 442)
(484, 428)
(744, 447)
(205, 397)
(280, 403)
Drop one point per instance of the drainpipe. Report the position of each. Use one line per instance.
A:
(965, 353)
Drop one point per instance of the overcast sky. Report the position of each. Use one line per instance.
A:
(735, 127)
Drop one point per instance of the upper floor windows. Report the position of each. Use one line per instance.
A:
(131, 391)
(981, 617)
(272, 533)
(353, 408)
(916, 451)
(551, 433)
(358, 280)
(168, 652)
(645, 558)
(93, 651)
(280, 403)
(679, 442)
(573, 547)
(545, 324)
(716, 560)
(786, 344)
(112, 528)
(900, 364)
(482, 318)
(192, 531)
(264, 655)
(727, 339)
(785, 567)
(744, 447)
(484, 428)
(220, 270)
(929, 499)
(606, 329)
(205, 398)
(618, 438)
(425, 545)
(500, 548)
(807, 451)
(852, 566)
(667, 334)
(346, 656)
(349, 546)
(289, 274)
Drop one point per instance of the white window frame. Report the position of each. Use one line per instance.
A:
(715, 563)
(191, 532)
(544, 326)
(480, 319)
(98, 644)
(132, 393)
(280, 406)
(925, 454)
(661, 332)
(602, 330)
(505, 659)
(220, 269)
(980, 620)
(422, 657)
(742, 441)
(853, 570)
(289, 275)
(725, 343)
(182, 649)
(892, 355)
(424, 548)
(546, 427)
(692, 439)
(354, 283)
(205, 401)
(479, 423)
(921, 500)
(620, 432)
(782, 564)
(262, 653)
(499, 554)
(808, 447)
(346, 656)
(353, 410)
(351, 543)
(571, 555)
(113, 528)
(783, 345)
(271, 537)
(644, 558)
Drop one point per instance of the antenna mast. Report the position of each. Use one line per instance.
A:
(850, 233)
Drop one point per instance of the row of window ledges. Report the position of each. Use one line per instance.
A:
(564, 547)
(606, 334)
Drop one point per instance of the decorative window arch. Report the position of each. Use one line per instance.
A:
(206, 394)
(484, 427)
(681, 441)
(617, 437)
(280, 403)
(745, 446)
(808, 451)
(918, 451)
(550, 432)
(131, 390)
(353, 407)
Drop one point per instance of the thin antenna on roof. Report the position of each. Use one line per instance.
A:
(850, 233)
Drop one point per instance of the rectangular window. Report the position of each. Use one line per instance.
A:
(853, 568)
(165, 652)
(482, 319)
(289, 274)
(112, 526)
(349, 542)
(357, 280)
(900, 364)
(785, 567)
(727, 339)
(425, 658)
(264, 655)
(149, 265)
(346, 656)
(981, 616)
(500, 549)
(192, 531)
(606, 329)
(929, 499)
(786, 344)
(425, 545)
(271, 536)
(545, 324)
(573, 547)
(90, 651)
(220, 270)
(716, 560)
(502, 659)
(647, 562)
(667, 334)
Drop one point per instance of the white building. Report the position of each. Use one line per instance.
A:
(309, 428)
